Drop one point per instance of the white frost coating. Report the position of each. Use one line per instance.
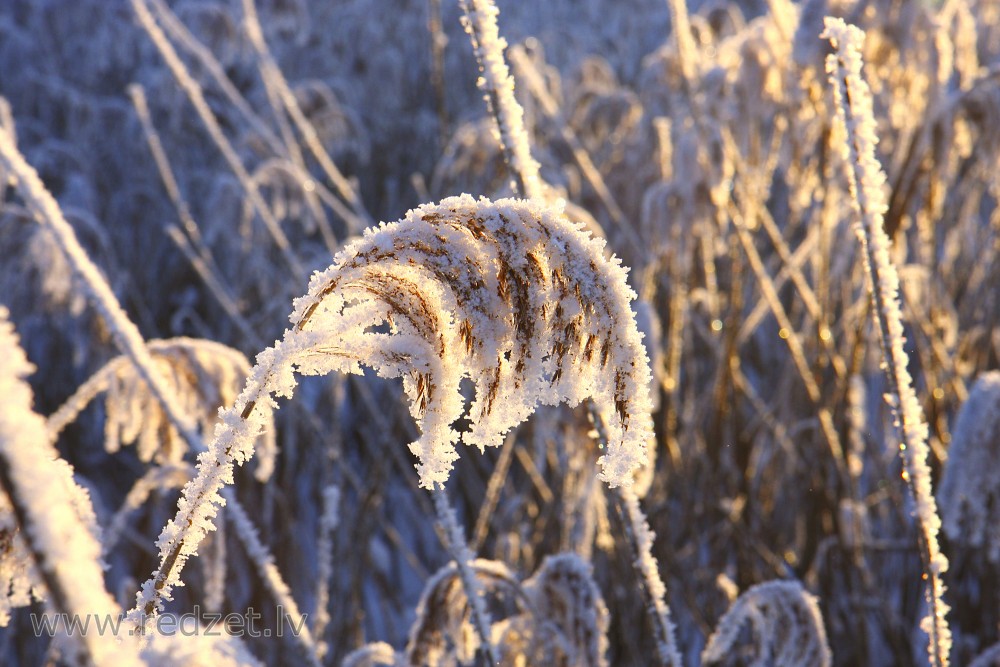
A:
(563, 592)
(646, 563)
(787, 628)
(442, 632)
(480, 21)
(48, 507)
(867, 179)
(324, 564)
(509, 294)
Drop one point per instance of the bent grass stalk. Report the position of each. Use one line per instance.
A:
(854, 109)
(274, 79)
(460, 284)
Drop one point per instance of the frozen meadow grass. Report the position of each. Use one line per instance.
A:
(710, 426)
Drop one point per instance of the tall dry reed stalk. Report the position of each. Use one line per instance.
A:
(854, 109)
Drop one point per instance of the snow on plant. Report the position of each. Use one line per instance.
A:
(203, 375)
(786, 624)
(509, 295)
(969, 491)
(854, 109)
(444, 631)
(325, 566)
(53, 514)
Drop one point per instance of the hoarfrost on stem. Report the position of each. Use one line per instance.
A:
(867, 179)
(497, 84)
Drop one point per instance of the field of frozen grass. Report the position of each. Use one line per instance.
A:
(683, 348)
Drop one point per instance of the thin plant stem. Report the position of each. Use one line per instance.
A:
(640, 539)
(273, 76)
(480, 21)
(463, 557)
(197, 98)
(207, 60)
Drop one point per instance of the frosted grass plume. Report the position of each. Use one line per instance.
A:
(202, 375)
(509, 295)
(786, 623)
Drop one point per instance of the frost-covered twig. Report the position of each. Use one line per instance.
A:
(508, 294)
(641, 539)
(854, 108)
(480, 21)
(43, 494)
